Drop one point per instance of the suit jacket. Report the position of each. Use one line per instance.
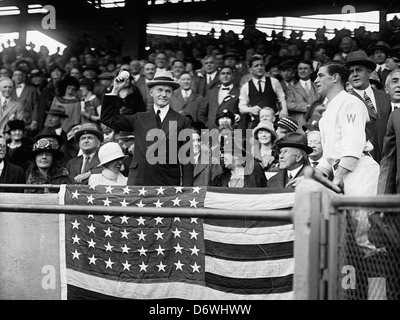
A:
(202, 87)
(11, 174)
(281, 178)
(145, 92)
(74, 167)
(191, 106)
(376, 127)
(29, 98)
(208, 112)
(154, 163)
(298, 101)
(389, 177)
(13, 111)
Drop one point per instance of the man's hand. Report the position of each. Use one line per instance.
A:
(83, 176)
(119, 84)
(255, 110)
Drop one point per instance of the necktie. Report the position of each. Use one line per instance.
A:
(4, 104)
(368, 102)
(208, 79)
(259, 86)
(225, 88)
(158, 118)
(314, 163)
(85, 164)
(290, 177)
(307, 87)
(396, 107)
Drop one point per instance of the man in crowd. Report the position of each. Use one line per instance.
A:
(9, 173)
(210, 79)
(9, 108)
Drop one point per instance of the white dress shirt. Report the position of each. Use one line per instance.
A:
(294, 172)
(395, 105)
(1, 167)
(222, 93)
(163, 113)
(19, 88)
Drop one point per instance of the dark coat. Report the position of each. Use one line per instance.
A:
(142, 172)
(11, 174)
(281, 178)
(74, 167)
(56, 175)
(190, 106)
(202, 87)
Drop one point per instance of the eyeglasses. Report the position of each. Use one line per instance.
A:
(3, 147)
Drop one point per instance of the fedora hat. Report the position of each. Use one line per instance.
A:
(359, 57)
(264, 126)
(163, 78)
(380, 45)
(110, 151)
(58, 110)
(295, 140)
(313, 123)
(89, 127)
(45, 145)
(232, 54)
(285, 64)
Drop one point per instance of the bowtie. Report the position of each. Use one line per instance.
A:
(226, 88)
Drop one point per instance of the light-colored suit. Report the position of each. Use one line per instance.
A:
(13, 111)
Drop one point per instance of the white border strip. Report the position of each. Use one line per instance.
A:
(63, 266)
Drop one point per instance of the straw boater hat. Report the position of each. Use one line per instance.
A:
(45, 145)
(89, 127)
(163, 78)
(359, 57)
(295, 140)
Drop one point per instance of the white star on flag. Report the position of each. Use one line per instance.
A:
(161, 266)
(141, 221)
(176, 202)
(158, 203)
(193, 203)
(92, 260)
(178, 248)
(193, 220)
(158, 220)
(75, 194)
(107, 218)
(142, 251)
(176, 233)
(178, 189)
(140, 204)
(124, 203)
(126, 265)
(143, 267)
(76, 239)
(160, 250)
(90, 216)
(76, 254)
(108, 232)
(109, 189)
(142, 236)
(142, 192)
(196, 189)
(109, 263)
(126, 190)
(194, 250)
(193, 234)
(91, 228)
(124, 219)
(75, 224)
(125, 249)
(106, 202)
(92, 186)
(159, 234)
(177, 219)
(195, 268)
(109, 247)
(160, 190)
(179, 265)
(90, 199)
(124, 234)
(91, 243)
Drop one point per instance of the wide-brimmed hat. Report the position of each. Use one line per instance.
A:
(359, 57)
(89, 127)
(225, 113)
(14, 125)
(45, 145)
(54, 66)
(285, 64)
(295, 140)
(380, 45)
(232, 54)
(264, 126)
(110, 151)
(313, 123)
(287, 123)
(58, 110)
(163, 78)
(49, 133)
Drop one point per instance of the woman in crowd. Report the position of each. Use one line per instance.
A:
(265, 134)
(46, 170)
(111, 158)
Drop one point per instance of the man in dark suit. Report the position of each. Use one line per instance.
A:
(81, 167)
(9, 173)
(377, 102)
(185, 100)
(223, 96)
(293, 157)
(210, 79)
(154, 163)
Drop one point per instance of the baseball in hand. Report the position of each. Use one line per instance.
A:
(124, 75)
